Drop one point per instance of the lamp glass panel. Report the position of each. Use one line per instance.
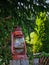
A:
(19, 42)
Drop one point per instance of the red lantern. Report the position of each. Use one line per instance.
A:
(18, 45)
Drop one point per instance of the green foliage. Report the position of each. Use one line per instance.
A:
(40, 31)
(6, 27)
(38, 35)
(22, 14)
(13, 7)
(43, 54)
(46, 41)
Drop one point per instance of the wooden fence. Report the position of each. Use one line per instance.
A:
(44, 61)
(41, 61)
